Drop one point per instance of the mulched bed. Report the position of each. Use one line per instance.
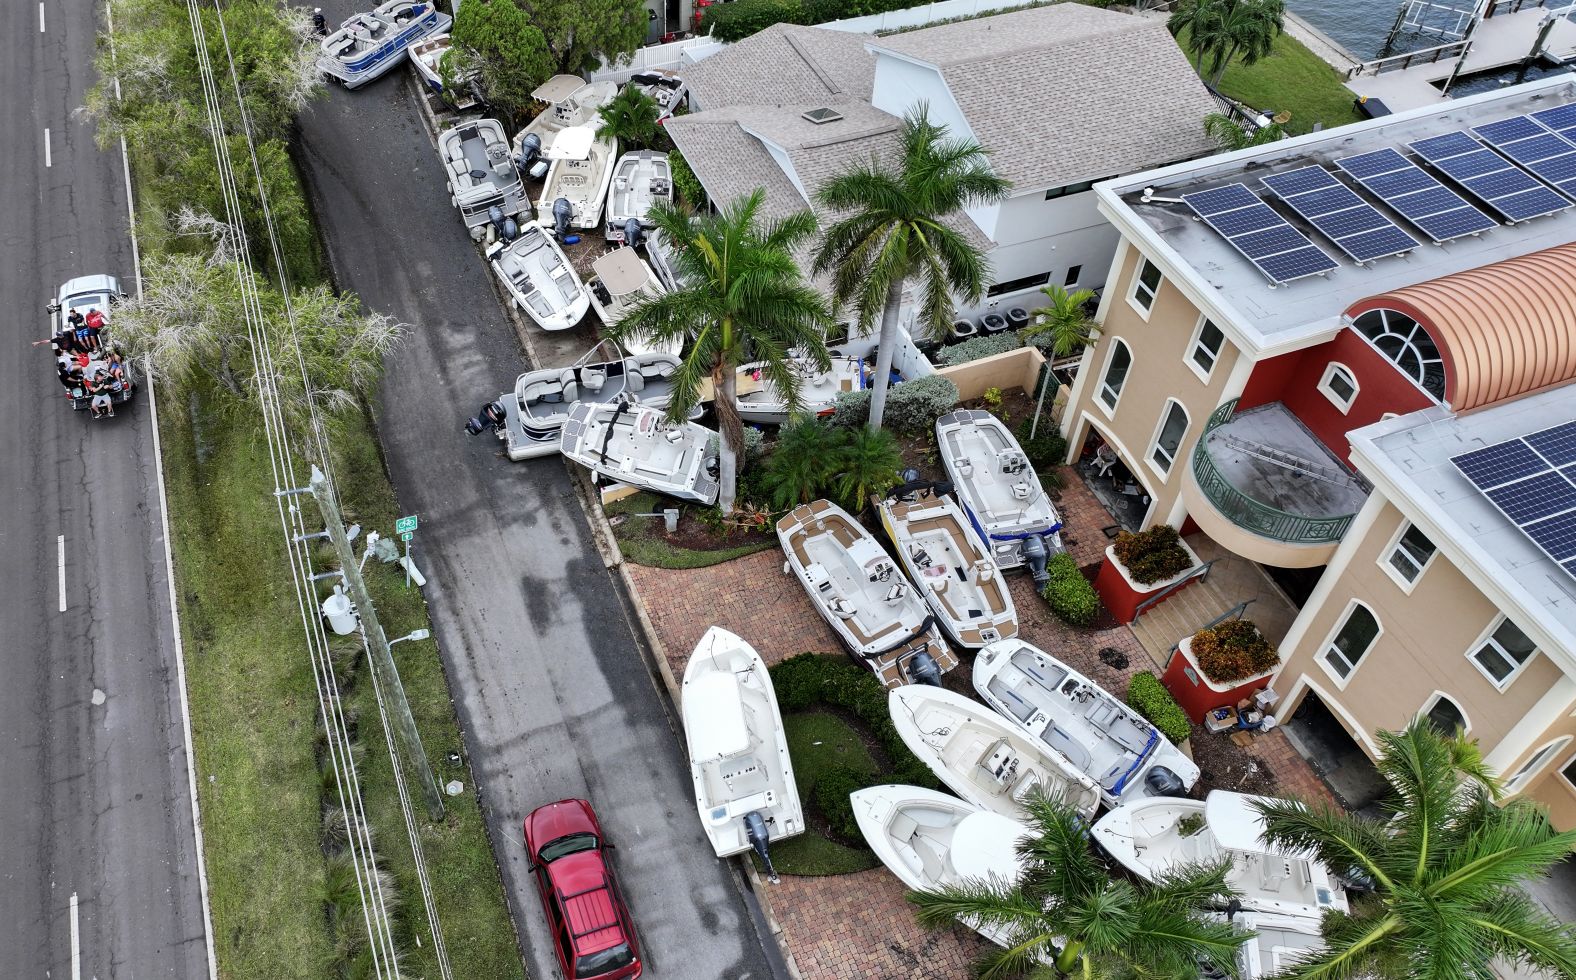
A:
(1227, 766)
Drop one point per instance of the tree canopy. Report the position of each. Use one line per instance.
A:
(582, 35)
(496, 41)
(1215, 32)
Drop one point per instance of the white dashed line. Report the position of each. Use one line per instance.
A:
(40, 16)
(48, 160)
(60, 551)
(76, 942)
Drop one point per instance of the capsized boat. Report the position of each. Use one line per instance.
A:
(999, 490)
(1082, 722)
(571, 101)
(367, 45)
(660, 250)
(738, 752)
(619, 280)
(538, 275)
(641, 178)
(481, 176)
(932, 840)
(1150, 836)
(578, 179)
(981, 757)
(945, 556)
(862, 594)
(426, 57)
(529, 418)
(637, 445)
(762, 403)
(664, 86)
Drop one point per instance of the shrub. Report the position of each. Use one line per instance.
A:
(1071, 597)
(684, 178)
(1153, 555)
(1233, 650)
(738, 20)
(911, 407)
(1148, 697)
(976, 348)
(1047, 448)
(830, 796)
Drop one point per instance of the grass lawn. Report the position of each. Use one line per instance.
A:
(1294, 79)
(254, 714)
(818, 740)
(643, 541)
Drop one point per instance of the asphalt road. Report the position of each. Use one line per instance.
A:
(544, 664)
(94, 797)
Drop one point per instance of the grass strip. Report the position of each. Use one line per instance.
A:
(1294, 79)
(641, 541)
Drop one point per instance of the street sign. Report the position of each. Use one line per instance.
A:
(407, 535)
(406, 526)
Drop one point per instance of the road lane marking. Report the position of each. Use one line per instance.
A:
(76, 942)
(40, 16)
(48, 161)
(60, 551)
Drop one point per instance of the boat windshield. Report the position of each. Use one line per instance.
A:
(565, 846)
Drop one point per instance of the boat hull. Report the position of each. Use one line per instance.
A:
(381, 60)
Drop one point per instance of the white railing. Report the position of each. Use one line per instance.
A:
(677, 55)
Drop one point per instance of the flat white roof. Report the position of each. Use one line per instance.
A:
(1286, 316)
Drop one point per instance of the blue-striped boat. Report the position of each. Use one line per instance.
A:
(367, 45)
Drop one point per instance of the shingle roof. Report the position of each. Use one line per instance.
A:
(1067, 93)
(786, 64)
(730, 162)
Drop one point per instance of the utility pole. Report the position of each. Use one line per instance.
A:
(377, 645)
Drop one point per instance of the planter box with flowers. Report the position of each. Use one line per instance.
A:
(1217, 667)
(1140, 564)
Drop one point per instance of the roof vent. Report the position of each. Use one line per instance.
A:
(821, 116)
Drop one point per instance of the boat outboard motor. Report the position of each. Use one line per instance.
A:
(1161, 781)
(530, 149)
(633, 232)
(755, 830)
(1035, 554)
(923, 669)
(491, 416)
(563, 211)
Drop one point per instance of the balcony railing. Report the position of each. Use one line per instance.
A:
(1249, 514)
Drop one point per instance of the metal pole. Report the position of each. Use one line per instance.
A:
(407, 563)
(1040, 404)
(378, 646)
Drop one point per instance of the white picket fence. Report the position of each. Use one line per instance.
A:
(677, 55)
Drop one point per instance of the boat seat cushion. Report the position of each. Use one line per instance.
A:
(929, 860)
(592, 379)
(902, 827)
(1102, 714)
(1114, 772)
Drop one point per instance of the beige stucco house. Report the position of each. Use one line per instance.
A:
(1322, 415)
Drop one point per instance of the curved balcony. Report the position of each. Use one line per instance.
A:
(1264, 486)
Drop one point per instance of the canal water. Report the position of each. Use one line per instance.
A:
(1359, 26)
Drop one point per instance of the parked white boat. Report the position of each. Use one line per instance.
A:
(1278, 941)
(580, 174)
(1082, 722)
(665, 87)
(481, 176)
(744, 785)
(1150, 836)
(538, 275)
(528, 418)
(620, 279)
(999, 489)
(637, 445)
(367, 45)
(956, 575)
(981, 757)
(932, 840)
(571, 101)
(641, 178)
(426, 56)
(660, 251)
(762, 403)
(860, 592)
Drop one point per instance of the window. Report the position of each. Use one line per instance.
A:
(1074, 273)
(1534, 765)
(1503, 652)
(1116, 368)
(1339, 385)
(1568, 773)
(1445, 716)
(1018, 285)
(1207, 342)
(1169, 438)
(1351, 642)
(1409, 556)
(1145, 285)
(1407, 345)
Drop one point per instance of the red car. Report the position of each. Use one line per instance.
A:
(591, 927)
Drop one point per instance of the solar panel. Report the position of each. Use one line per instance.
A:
(1561, 119)
(1264, 238)
(1354, 226)
(1541, 150)
(1489, 176)
(1532, 481)
(1439, 212)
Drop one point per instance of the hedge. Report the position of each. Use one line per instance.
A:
(1071, 597)
(978, 348)
(684, 179)
(911, 407)
(1153, 555)
(1234, 650)
(1148, 697)
(1047, 449)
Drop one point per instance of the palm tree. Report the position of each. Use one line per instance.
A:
(867, 463)
(1229, 134)
(631, 118)
(800, 466)
(1217, 31)
(896, 228)
(1063, 320)
(743, 299)
(1068, 910)
(1445, 867)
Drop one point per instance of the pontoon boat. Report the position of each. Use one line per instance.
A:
(367, 45)
(481, 175)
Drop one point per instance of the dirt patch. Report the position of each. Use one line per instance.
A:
(1224, 765)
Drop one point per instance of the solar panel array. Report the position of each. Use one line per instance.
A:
(1355, 227)
(1490, 177)
(1561, 119)
(1266, 239)
(1532, 480)
(1439, 212)
(1550, 156)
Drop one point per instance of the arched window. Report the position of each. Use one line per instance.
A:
(1522, 776)
(1404, 342)
(1168, 438)
(1445, 716)
(1116, 368)
(1351, 642)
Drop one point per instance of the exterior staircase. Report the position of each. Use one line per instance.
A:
(1180, 614)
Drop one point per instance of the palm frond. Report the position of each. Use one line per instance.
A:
(1514, 845)
(1340, 839)
(1517, 930)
